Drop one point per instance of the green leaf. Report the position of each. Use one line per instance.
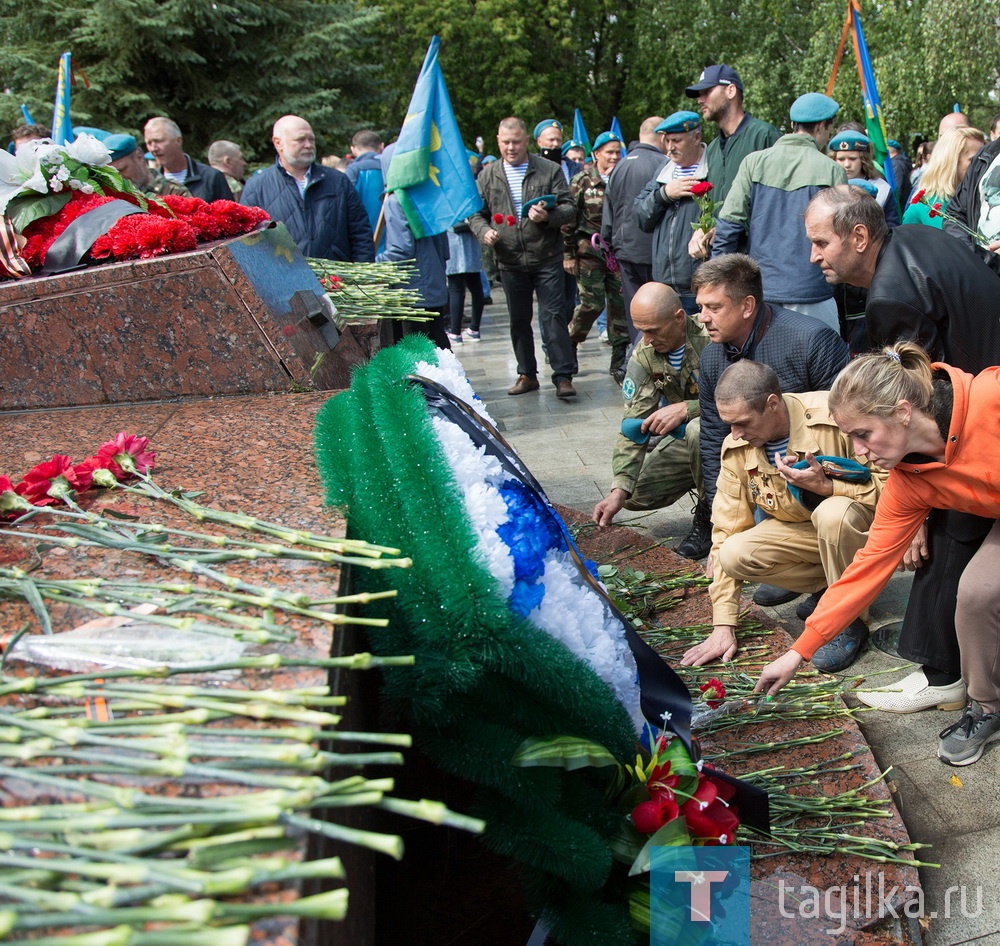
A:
(564, 752)
(672, 834)
(26, 208)
(607, 571)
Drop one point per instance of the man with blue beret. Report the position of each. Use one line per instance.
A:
(128, 159)
(573, 150)
(666, 207)
(548, 137)
(598, 281)
(633, 248)
(766, 205)
(719, 91)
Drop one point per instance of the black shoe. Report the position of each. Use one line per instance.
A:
(618, 375)
(804, 609)
(769, 596)
(698, 542)
(843, 650)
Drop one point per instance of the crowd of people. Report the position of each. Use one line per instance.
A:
(800, 346)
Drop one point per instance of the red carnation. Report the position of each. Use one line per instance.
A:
(127, 453)
(701, 188)
(714, 692)
(935, 211)
(11, 504)
(498, 218)
(42, 233)
(52, 480)
(511, 220)
(918, 196)
(101, 472)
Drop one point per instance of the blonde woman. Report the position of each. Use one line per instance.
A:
(917, 420)
(942, 173)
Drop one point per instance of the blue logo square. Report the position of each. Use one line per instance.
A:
(699, 896)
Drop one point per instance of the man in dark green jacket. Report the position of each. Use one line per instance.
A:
(719, 91)
(525, 203)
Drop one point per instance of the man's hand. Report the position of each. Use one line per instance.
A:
(994, 247)
(720, 643)
(490, 237)
(665, 419)
(918, 552)
(572, 266)
(812, 478)
(608, 508)
(679, 187)
(778, 672)
(700, 244)
(538, 214)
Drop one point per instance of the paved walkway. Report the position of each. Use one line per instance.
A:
(567, 445)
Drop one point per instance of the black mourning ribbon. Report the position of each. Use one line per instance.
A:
(70, 247)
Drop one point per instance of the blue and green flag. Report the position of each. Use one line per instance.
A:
(874, 121)
(429, 172)
(580, 131)
(62, 127)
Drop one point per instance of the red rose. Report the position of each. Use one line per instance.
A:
(709, 816)
(701, 188)
(511, 220)
(498, 218)
(649, 816)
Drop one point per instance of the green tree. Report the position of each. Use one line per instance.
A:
(226, 68)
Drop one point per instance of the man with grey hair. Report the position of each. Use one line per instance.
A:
(525, 204)
(166, 143)
(318, 205)
(227, 157)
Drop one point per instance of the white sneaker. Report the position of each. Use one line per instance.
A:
(604, 338)
(913, 694)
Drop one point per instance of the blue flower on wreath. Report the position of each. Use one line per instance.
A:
(530, 531)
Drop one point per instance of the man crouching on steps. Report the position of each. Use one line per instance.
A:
(763, 531)
(661, 390)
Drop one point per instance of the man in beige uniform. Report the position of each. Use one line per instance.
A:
(762, 532)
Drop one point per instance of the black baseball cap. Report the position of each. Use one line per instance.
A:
(713, 76)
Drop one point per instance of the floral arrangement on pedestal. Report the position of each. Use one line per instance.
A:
(45, 188)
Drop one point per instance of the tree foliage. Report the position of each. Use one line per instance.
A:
(219, 68)
(228, 68)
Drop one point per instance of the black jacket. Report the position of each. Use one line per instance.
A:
(329, 222)
(805, 354)
(929, 287)
(966, 203)
(620, 228)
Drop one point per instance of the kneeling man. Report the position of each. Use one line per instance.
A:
(763, 531)
(661, 391)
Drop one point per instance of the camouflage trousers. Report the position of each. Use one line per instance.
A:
(599, 288)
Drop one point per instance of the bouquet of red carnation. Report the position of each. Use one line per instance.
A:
(706, 205)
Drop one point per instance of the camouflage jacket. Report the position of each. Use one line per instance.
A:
(160, 185)
(587, 190)
(650, 383)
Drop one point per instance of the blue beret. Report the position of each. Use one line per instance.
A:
(99, 133)
(867, 186)
(489, 159)
(679, 122)
(120, 146)
(813, 107)
(546, 123)
(892, 143)
(570, 145)
(850, 141)
(604, 138)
